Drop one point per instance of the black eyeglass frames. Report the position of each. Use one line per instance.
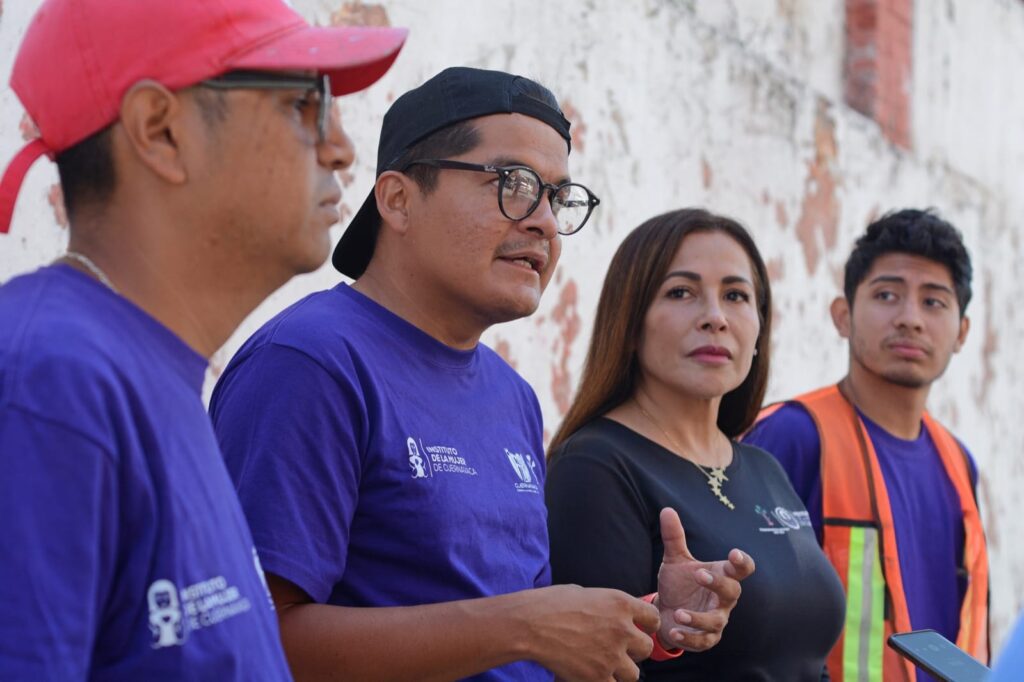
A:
(320, 86)
(520, 190)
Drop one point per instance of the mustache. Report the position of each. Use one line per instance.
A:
(525, 245)
(903, 339)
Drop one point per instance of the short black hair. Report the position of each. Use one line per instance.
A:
(456, 139)
(86, 170)
(914, 232)
(213, 105)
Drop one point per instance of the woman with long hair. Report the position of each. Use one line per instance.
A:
(676, 370)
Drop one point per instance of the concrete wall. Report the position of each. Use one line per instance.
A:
(740, 106)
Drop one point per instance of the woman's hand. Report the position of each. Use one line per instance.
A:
(695, 597)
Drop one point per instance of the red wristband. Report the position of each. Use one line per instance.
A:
(660, 653)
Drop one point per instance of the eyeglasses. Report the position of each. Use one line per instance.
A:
(318, 89)
(520, 190)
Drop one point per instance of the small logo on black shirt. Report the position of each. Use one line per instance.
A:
(780, 520)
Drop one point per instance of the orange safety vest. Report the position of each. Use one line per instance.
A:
(860, 540)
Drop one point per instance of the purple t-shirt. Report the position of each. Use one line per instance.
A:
(124, 554)
(925, 508)
(379, 467)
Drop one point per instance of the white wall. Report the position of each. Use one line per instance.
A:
(735, 105)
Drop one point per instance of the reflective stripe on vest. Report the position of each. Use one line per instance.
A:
(865, 611)
(859, 538)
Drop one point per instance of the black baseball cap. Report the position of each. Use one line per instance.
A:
(454, 95)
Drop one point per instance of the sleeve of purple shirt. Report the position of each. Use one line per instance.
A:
(791, 436)
(291, 433)
(58, 543)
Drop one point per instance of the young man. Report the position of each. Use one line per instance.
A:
(391, 466)
(197, 153)
(889, 490)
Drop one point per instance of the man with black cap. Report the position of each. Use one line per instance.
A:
(391, 466)
(197, 152)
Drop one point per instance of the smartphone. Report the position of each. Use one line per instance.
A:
(938, 656)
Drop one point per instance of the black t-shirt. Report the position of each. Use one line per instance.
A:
(605, 489)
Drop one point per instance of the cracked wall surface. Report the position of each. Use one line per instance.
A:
(736, 105)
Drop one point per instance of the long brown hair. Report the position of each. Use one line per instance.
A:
(612, 368)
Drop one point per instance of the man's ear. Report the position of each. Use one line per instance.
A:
(961, 338)
(394, 192)
(840, 310)
(152, 123)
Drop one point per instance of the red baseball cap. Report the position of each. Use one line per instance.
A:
(79, 57)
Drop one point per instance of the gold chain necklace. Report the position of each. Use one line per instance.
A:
(715, 475)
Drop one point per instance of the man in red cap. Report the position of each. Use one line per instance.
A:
(197, 151)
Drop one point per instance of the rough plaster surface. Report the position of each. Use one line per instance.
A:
(737, 106)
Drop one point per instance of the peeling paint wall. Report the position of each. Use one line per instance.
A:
(737, 105)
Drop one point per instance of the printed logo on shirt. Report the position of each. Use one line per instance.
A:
(416, 462)
(433, 460)
(165, 615)
(526, 470)
(173, 614)
(780, 520)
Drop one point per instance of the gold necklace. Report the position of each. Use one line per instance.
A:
(715, 475)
